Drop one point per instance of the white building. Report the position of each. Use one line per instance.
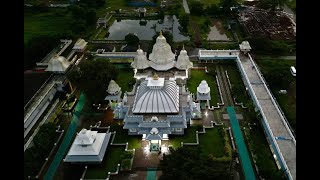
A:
(58, 64)
(245, 47)
(162, 58)
(80, 45)
(140, 60)
(88, 147)
(183, 61)
(203, 91)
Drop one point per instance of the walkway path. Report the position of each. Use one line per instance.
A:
(273, 120)
(186, 7)
(66, 141)
(242, 149)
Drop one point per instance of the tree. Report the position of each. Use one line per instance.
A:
(189, 163)
(77, 12)
(132, 39)
(213, 10)
(196, 8)
(271, 4)
(184, 22)
(93, 77)
(91, 17)
(37, 48)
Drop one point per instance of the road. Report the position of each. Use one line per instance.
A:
(186, 7)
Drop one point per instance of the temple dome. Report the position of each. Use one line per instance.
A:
(183, 61)
(86, 137)
(58, 64)
(157, 100)
(113, 88)
(140, 60)
(203, 87)
(161, 54)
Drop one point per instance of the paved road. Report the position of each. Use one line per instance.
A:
(186, 7)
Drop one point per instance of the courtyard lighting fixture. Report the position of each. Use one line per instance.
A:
(206, 113)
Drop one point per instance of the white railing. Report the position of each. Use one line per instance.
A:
(280, 112)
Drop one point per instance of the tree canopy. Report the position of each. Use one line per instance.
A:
(132, 39)
(188, 163)
(93, 77)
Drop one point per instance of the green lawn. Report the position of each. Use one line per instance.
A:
(212, 143)
(292, 5)
(209, 2)
(286, 101)
(125, 79)
(55, 21)
(196, 77)
(188, 137)
(123, 137)
(235, 80)
(111, 159)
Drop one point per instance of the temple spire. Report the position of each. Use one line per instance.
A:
(139, 46)
(183, 46)
(160, 32)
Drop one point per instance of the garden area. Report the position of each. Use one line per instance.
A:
(237, 86)
(259, 146)
(110, 163)
(196, 77)
(43, 142)
(125, 78)
(134, 142)
(51, 22)
(188, 137)
(278, 76)
(214, 142)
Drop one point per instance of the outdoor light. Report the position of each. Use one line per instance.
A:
(206, 113)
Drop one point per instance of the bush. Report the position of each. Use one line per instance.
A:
(132, 39)
(126, 155)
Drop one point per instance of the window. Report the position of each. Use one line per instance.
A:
(133, 130)
(178, 129)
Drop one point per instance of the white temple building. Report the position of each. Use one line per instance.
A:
(162, 58)
(183, 61)
(140, 60)
(245, 47)
(80, 45)
(58, 64)
(203, 91)
(88, 147)
(159, 104)
(114, 93)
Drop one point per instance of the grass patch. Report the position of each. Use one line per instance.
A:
(55, 21)
(258, 145)
(188, 137)
(238, 88)
(109, 164)
(287, 101)
(196, 77)
(123, 137)
(212, 142)
(125, 79)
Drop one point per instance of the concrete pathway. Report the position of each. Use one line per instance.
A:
(186, 7)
